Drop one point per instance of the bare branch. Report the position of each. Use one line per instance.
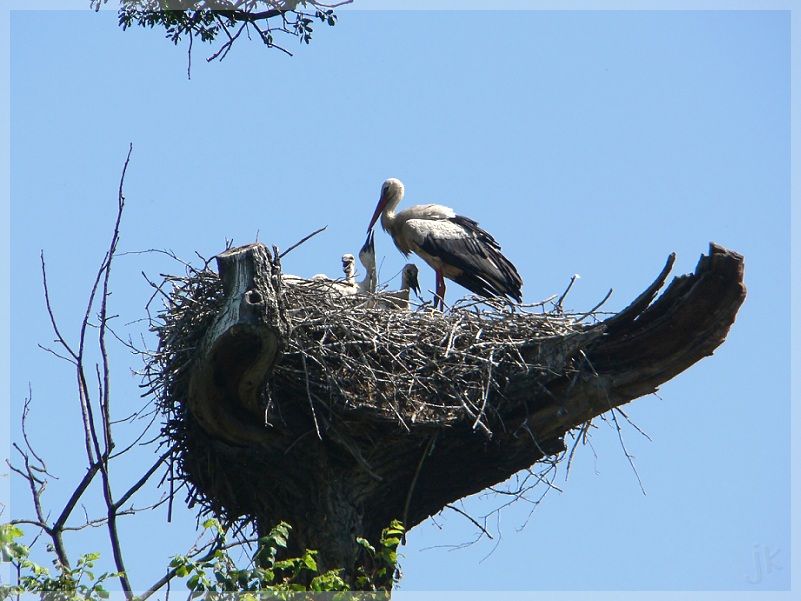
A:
(153, 415)
(294, 246)
(596, 307)
(559, 307)
(471, 519)
(141, 482)
(57, 355)
(37, 487)
(76, 496)
(619, 430)
(50, 313)
(26, 408)
(105, 398)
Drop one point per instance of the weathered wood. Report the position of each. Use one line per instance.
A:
(643, 346)
(336, 472)
(241, 347)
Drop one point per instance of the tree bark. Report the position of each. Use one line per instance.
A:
(239, 350)
(337, 473)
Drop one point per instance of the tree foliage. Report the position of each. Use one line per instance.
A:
(218, 573)
(266, 576)
(211, 20)
(63, 584)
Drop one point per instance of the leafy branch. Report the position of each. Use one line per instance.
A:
(208, 20)
(216, 572)
(67, 584)
(208, 570)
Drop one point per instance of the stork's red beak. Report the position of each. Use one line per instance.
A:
(382, 202)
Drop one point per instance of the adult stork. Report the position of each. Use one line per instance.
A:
(453, 245)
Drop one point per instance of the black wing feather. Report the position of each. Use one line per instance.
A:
(485, 271)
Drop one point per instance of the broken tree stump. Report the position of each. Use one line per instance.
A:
(288, 402)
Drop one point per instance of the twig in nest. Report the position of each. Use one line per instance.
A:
(558, 305)
(629, 456)
(596, 307)
(294, 246)
(486, 392)
(472, 520)
(635, 426)
(311, 401)
(581, 437)
(416, 370)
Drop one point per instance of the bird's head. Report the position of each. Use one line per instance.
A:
(391, 195)
(409, 278)
(348, 262)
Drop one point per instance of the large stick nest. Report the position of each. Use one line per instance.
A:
(496, 385)
(418, 367)
(401, 371)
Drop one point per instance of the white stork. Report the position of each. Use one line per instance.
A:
(453, 245)
(409, 282)
(349, 269)
(367, 258)
(399, 299)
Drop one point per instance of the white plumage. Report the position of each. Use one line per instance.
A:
(453, 245)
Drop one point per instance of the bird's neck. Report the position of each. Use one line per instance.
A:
(388, 215)
(387, 218)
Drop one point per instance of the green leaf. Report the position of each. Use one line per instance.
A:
(366, 544)
(286, 564)
(192, 583)
(9, 532)
(309, 561)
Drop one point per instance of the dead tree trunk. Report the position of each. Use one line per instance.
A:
(290, 403)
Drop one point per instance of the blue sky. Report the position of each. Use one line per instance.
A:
(589, 142)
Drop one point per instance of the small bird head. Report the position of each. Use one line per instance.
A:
(349, 266)
(409, 278)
